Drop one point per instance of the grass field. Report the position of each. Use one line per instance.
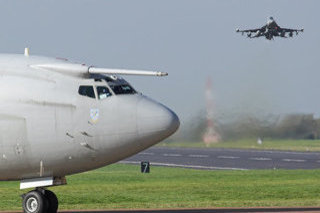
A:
(123, 186)
(292, 145)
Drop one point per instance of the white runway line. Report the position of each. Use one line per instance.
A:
(260, 159)
(198, 156)
(172, 155)
(247, 150)
(146, 153)
(294, 160)
(187, 166)
(228, 157)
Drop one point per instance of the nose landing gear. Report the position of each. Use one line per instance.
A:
(40, 201)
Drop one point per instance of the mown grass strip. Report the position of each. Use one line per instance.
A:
(123, 186)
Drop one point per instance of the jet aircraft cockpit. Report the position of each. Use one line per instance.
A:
(110, 85)
(118, 85)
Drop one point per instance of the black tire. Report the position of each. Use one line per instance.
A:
(52, 201)
(34, 202)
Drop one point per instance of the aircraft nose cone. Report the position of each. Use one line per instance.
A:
(156, 120)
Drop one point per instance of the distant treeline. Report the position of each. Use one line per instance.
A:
(291, 126)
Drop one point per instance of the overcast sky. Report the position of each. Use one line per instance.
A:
(191, 40)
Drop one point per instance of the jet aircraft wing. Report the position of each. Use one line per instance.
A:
(248, 31)
(253, 33)
(289, 31)
(292, 30)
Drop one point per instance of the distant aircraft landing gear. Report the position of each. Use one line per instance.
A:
(40, 201)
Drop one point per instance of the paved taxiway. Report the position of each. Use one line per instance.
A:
(226, 159)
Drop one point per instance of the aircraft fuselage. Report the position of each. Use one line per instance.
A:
(49, 130)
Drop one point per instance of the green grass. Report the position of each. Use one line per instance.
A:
(123, 186)
(268, 144)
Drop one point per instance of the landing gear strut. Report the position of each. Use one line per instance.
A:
(40, 201)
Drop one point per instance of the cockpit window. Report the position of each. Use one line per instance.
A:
(103, 92)
(122, 89)
(87, 91)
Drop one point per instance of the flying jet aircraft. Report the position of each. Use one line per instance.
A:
(59, 118)
(270, 30)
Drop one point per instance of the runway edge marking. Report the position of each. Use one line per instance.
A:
(186, 166)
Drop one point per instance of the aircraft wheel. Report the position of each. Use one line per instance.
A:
(34, 202)
(52, 201)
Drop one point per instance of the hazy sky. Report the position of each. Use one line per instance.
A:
(191, 40)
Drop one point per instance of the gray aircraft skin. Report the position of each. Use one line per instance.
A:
(59, 118)
(270, 30)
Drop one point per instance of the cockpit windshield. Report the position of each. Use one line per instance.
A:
(122, 89)
(117, 84)
(103, 92)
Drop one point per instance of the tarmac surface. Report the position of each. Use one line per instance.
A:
(226, 159)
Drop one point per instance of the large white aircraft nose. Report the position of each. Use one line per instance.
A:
(156, 120)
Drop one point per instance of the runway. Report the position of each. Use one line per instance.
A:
(226, 159)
